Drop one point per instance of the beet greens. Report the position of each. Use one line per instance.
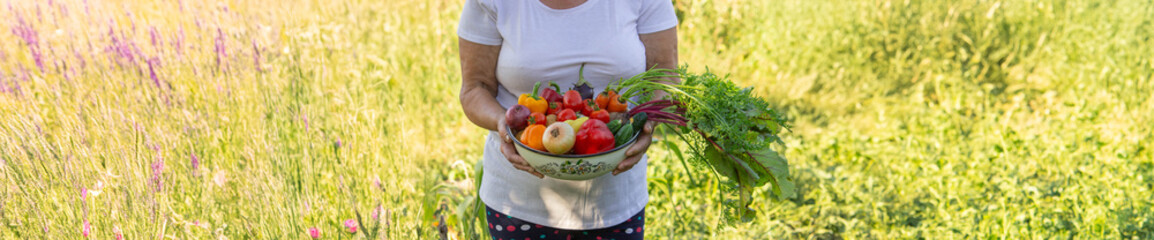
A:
(724, 126)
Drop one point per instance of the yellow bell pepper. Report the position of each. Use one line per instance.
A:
(535, 103)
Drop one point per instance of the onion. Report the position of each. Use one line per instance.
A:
(559, 138)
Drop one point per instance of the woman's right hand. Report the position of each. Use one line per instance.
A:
(510, 152)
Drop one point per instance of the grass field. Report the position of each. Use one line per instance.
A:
(263, 119)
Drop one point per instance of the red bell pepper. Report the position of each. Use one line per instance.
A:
(552, 94)
(594, 137)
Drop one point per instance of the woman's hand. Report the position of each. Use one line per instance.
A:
(511, 152)
(633, 155)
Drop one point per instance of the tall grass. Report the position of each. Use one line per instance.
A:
(260, 119)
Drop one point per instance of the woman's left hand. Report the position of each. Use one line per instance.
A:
(633, 155)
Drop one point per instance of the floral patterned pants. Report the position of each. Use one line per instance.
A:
(504, 227)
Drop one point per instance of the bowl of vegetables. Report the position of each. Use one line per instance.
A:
(722, 127)
(574, 166)
(575, 135)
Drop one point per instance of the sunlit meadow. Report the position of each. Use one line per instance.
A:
(339, 119)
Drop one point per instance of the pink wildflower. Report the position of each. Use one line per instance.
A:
(87, 228)
(314, 233)
(351, 225)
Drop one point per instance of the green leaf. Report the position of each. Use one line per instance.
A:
(779, 169)
(716, 160)
(681, 157)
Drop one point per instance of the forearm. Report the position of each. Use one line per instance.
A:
(665, 63)
(479, 84)
(661, 52)
(481, 107)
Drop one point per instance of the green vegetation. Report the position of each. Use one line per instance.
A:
(910, 119)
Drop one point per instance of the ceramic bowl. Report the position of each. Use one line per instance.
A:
(572, 166)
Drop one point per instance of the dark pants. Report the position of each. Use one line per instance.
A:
(504, 227)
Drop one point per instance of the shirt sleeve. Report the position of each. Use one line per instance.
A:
(656, 15)
(479, 24)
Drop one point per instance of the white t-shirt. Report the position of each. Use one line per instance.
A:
(541, 44)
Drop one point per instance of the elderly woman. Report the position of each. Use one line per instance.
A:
(506, 47)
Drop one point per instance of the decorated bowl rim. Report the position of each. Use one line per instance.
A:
(509, 131)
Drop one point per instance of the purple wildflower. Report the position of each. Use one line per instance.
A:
(79, 57)
(25, 75)
(221, 54)
(195, 162)
(63, 9)
(61, 64)
(15, 80)
(3, 89)
(39, 15)
(155, 37)
(255, 56)
(157, 170)
(305, 118)
(133, 48)
(83, 193)
(121, 46)
(178, 44)
(31, 38)
(130, 19)
(152, 65)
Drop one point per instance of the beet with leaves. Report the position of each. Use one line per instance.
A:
(724, 126)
